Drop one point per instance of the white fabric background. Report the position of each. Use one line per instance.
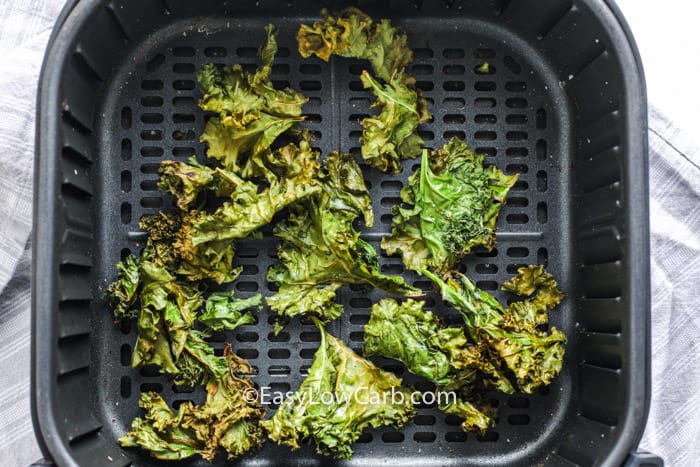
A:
(666, 33)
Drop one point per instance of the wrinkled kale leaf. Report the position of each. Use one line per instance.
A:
(167, 314)
(363, 395)
(416, 338)
(185, 181)
(224, 312)
(294, 161)
(320, 249)
(353, 34)
(226, 419)
(506, 349)
(513, 335)
(169, 247)
(205, 242)
(477, 416)
(251, 113)
(441, 354)
(202, 243)
(167, 310)
(123, 292)
(455, 204)
(391, 136)
(248, 210)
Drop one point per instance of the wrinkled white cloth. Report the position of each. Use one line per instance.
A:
(673, 427)
(25, 27)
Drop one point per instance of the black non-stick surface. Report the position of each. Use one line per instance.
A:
(516, 114)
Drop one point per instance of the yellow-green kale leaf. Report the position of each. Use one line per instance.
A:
(169, 247)
(123, 292)
(185, 181)
(512, 335)
(476, 416)
(227, 419)
(205, 241)
(251, 113)
(455, 204)
(390, 137)
(321, 250)
(224, 312)
(360, 395)
(295, 160)
(353, 34)
(248, 210)
(167, 314)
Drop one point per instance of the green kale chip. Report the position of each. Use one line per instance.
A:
(199, 244)
(477, 415)
(227, 419)
(353, 34)
(123, 292)
(441, 354)
(167, 314)
(455, 204)
(297, 161)
(251, 113)
(224, 312)
(391, 136)
(512, 335)
(363, 395)
(166, 311)
(185, 181)
(320, 249)
(205, 242)
(246, 211)
(416, 338)
(169, 247)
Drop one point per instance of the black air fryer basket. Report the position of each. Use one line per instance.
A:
(563, 104)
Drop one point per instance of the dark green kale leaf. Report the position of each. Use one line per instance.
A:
(417, 339)
(455, 204)
(363, 395)
(438, 353)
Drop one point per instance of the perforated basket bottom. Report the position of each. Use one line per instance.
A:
(512, 114)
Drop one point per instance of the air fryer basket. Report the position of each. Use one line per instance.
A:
(563, 104)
